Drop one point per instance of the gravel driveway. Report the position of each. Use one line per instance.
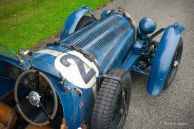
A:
(174, 108)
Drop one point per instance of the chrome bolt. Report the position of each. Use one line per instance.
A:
(176, 63)
(34, 98)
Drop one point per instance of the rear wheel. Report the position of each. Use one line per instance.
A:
(112, 102)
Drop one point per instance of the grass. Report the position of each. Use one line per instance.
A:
(24, 23)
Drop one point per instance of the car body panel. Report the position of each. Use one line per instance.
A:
(76, 108)
(134, 56)
(8, 58)
(73, 20)
(163, 58)
(101, 37)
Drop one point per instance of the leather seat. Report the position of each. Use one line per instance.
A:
(30, 126)
(2, 126)
(8, 117)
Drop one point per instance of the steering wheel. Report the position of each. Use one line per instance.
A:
(35, 97)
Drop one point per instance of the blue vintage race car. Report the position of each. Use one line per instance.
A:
(83, 80)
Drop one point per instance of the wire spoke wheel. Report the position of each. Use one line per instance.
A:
(120, 111)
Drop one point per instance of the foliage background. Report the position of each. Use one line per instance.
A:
(24, 23)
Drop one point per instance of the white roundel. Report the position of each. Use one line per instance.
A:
(77, 69)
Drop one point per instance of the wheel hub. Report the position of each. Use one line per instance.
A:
(34, 98)
(176, 63)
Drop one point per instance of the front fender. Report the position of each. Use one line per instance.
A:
(73, 20)
(163, 58)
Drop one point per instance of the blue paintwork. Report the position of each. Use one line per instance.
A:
(75, 108)
(45, 63)
(140, 34)
(163, 58)
(147, 25)
(73, 20)
(134, 56)
(111, 41)
(105, 40)
(8, 83)
(105, 13)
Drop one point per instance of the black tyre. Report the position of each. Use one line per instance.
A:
(175, 63)
(86, 20)
(112, 102)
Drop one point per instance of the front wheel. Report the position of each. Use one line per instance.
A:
(112, 102)
(175, 63)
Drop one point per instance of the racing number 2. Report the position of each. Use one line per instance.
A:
(86, 76)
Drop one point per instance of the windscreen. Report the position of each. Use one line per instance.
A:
(4, 51)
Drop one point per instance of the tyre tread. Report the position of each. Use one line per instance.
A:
(102, 109)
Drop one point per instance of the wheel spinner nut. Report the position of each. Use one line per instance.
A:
(34, 98)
